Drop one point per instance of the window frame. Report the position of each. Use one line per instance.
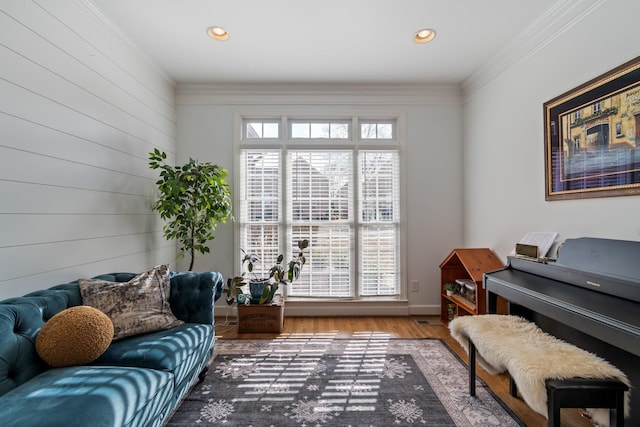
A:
(355, 143)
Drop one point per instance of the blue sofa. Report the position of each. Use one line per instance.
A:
(138, 381)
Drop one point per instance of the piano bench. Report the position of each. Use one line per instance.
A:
(535, 360)
(586, 393)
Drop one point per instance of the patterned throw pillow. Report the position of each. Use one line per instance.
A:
(135, 307)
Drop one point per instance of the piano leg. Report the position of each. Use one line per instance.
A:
(496, 304)
(492, 302)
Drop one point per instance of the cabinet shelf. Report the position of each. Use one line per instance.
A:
(461, 302)
(465, 263)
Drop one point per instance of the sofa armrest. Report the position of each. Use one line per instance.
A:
(193, 295)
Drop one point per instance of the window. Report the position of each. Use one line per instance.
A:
(344, 198)
(376, 130)
(379, 212)
(319, 129)
(597, 107)
(321, 199)
(262, 129)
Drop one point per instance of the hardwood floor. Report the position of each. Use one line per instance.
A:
(401, 327)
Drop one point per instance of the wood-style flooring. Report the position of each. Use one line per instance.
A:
(413, 327)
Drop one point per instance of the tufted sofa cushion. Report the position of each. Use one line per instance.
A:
(90, 396)
(192, 295)
(180, 350)
(49, 302)
(19, 325)
(20, 321)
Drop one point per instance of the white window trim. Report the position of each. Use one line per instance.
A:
(283, 114)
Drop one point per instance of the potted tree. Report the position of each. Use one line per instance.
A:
(194, 199)
(263, 289)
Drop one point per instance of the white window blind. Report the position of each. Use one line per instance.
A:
(260, 206)
(320, 194)
(379, 210)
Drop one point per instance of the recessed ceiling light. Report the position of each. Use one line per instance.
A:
(218, 33)
(424, 35)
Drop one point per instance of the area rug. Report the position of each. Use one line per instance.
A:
(313, 381)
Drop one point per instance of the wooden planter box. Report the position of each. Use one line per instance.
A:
(259, 318)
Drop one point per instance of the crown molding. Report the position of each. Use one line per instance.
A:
(564, 15)
(317, 94)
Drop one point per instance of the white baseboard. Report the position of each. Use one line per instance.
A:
(345, 308)
(424, 310)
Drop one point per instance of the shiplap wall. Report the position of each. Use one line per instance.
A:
(80, 109)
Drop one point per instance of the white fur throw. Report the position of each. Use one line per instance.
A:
(531, 356)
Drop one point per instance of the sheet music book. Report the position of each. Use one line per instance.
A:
(542, 239)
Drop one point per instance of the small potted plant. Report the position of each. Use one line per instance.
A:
(262, 290)
(449, 288)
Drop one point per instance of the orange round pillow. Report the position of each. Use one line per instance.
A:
(75, 336)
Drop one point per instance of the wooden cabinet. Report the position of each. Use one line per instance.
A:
(466, 266)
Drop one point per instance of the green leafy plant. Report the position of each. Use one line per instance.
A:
(278, 275)
(194, 199)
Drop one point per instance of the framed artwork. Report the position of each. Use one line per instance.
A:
(592, 137)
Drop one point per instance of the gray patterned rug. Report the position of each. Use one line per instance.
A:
(316, 380)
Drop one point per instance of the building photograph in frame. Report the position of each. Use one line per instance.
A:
(592, 137)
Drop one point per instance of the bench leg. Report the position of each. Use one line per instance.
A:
(513, 388)
(553, 411)
(472, 369)
(616, 415)
(586, 393)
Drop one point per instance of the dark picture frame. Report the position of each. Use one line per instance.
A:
(592, 137)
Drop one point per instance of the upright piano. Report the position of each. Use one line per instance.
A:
(589, 296)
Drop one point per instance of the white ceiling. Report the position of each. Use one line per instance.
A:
(326, 42)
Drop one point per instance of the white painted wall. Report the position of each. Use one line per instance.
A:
(80, 110)
(504, 141)
(433, 162)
